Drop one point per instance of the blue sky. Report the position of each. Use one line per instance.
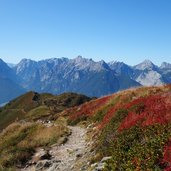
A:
(122, 30)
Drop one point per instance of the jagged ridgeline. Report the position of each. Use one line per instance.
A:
(80, 75)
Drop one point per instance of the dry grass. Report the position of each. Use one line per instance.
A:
(19, 141)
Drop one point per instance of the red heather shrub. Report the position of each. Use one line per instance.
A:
(167, 156)
(108, 116)
(147, 111)
(131, 120)
(90, 108)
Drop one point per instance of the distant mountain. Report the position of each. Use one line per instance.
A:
(121, 68)
(146, 65)
(146, 73)
(165, 65)
(165, 69)
(79, 75)
(9, 88)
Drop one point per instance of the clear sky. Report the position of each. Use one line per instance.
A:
(122, 30)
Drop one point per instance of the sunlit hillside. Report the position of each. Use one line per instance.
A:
(133, 126)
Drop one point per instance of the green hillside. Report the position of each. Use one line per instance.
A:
(34, 106)
(24, 129)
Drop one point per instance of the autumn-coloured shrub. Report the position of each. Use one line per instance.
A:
(147, 111)
(88, 109)
(103, 109)
(108, 117)
(134, 127)
(127, 99)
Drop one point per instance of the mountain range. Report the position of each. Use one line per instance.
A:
(81, 75)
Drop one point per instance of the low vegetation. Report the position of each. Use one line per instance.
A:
(33, 106)
(19, 141)
(134, 127)
(32, 121)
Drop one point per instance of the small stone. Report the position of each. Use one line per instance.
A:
(94, 165)
(79, 155)
(45, 156)
(83, 168)
(43, 164)
(100, 167)
(72, 167)
(54, 167)
(104, 159)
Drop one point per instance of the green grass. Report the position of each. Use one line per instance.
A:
(17, 109)
(105, 142)
(23, 102)
(38, 113)
(139, 149)
(65, 100)
(9, 116)
(34, 106)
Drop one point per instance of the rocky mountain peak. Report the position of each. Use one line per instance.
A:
(103, 64)
(120, 67)
(116, 64)
(165, 65)
(87, 64)
(146, 64)
(25, 63)
(79, 59)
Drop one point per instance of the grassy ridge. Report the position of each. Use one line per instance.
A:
(33, 106)
(22, 131)
(17, 109)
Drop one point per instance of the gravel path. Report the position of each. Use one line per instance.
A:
(72, 150)
(66, 157)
